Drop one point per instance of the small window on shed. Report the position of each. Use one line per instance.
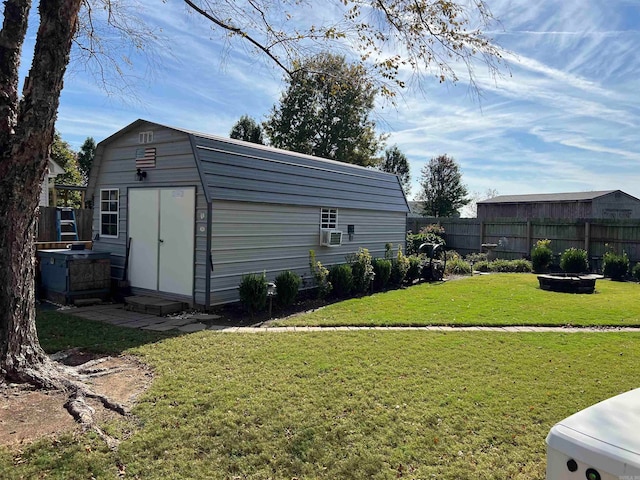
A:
(145, 137)
(329, 218)
(109, 205)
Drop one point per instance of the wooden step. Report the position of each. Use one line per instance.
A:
(153, 305)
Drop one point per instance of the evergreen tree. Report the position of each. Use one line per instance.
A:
(247, 129)
(443, 193)
(325, 111)
(85, 158)
(395, 161)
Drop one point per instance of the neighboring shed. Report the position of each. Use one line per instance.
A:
(202, 211)
(53, 170)
(608, 204)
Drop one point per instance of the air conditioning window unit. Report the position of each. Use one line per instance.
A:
(330, 237)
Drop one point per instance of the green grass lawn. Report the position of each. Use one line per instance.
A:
(489, 300)
(345, 405)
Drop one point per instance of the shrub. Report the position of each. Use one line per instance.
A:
(521, 266)
(361, 269)
(320, 275)
(399, 269)
(482, 266)
(287, 286)
(457, 266)
(341, 280)
(430, 234)
(574, 260)
(541, 256)
(476, 257)
(253, 293)
(615, 266)
(635, 272)
(382, 271)
(510, 266)
(413, 272)
(504, 266)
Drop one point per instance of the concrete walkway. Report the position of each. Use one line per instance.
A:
(115, 314)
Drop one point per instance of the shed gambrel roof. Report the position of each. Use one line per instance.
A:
(236, 170)
(551, 197)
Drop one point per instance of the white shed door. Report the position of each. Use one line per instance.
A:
(161, 227)
(177, 214)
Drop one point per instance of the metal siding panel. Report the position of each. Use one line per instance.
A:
(244, 167)
(252, 238)
(258, 151)
(273, 185)
(266, 176)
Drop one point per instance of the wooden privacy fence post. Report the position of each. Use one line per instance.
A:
(587, 237)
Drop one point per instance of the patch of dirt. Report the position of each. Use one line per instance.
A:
(27, 414)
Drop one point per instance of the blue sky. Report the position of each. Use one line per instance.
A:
(567, 118)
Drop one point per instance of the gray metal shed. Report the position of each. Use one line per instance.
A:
(202, 211)
(607, 204)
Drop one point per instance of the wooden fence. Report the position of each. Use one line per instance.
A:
(47, 224)
(515, 238)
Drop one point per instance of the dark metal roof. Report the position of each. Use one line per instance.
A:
(549, 197)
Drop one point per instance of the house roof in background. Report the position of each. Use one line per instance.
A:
(54, 169)
(550, 197)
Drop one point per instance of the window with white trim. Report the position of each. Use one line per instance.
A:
(329, 218)
(109, 205)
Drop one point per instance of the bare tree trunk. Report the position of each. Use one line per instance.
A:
(26, 133)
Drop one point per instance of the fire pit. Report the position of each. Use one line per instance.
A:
(569, 282)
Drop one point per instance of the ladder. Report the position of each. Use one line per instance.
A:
(66, 224)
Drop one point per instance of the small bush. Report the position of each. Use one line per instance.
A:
(574, 260)
(615, 266)
(413, 272)
(382, 270)
(521, 266)
(341, 279)
(510, 266)
(476, 257)
(320, 275)
(361, 269)
(287, 286)
(388, 251)
(253, 293)
(482, 266)
(399, 269)
(635, 272)
(457, 266)
(504, 266)
(541, 256)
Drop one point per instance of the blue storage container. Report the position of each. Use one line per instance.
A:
(67, 275)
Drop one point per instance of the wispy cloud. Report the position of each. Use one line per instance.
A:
(566, 119)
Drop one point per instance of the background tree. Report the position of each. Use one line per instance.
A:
(395, 161)
(63, 155)
(471, 209)
(426, 36)
(247, 129)
(443, 193)
(85, 158)
(325, 111)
